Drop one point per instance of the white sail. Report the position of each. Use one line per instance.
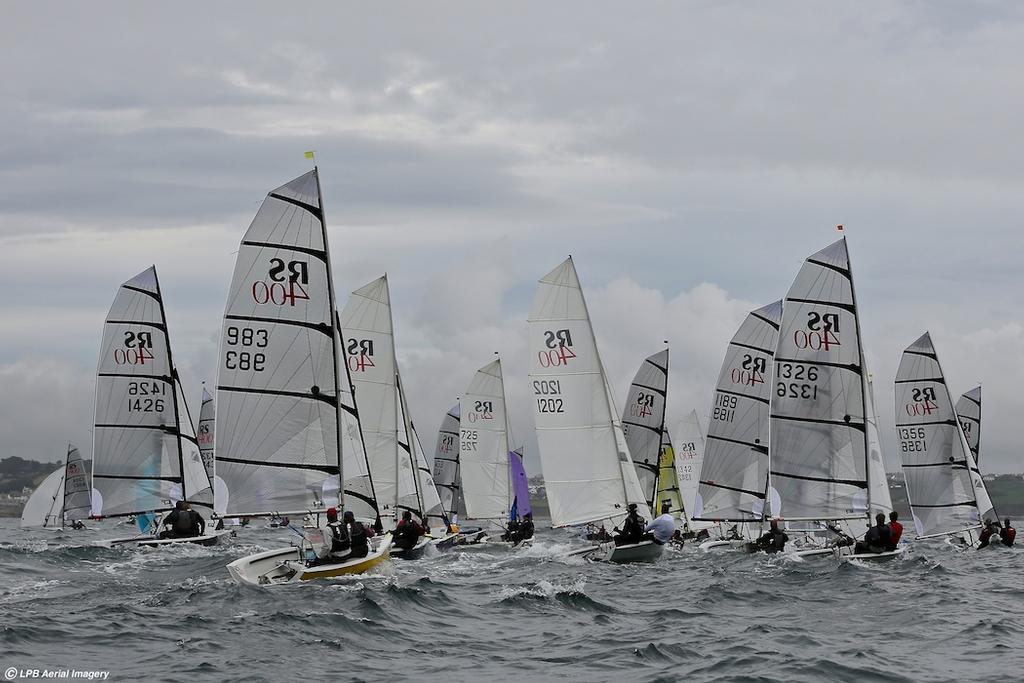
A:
(205, 437)
(878, 481)
(140, 437)
(936, 459)
(734, 473)
(818, 443)
(277, 429)
(369, 346)
(968, 412)
(433, 511)
(446, 461)
(689, 458)
(588, 472)
(196, 476)
(484, 446)
(360, 495)
(43, 508)
(643, 420)
(77, 494)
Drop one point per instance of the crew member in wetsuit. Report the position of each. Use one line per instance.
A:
(632, 528)
(525, 530)
(774, 540)
(895, 529)
(78, 524)
(1007, 534)
(184, 522)
(986, 534)
(877, 539)
(358, 535)
(512, 531)
(407, 533)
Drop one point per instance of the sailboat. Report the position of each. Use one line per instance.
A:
(588, 472)
(486, 464)
(733, 478)
(62, 499)
(446, 465)
(968, 413)
(643, 421)
(947, 498)
(396, 470)
(280, 429)
(145, 452)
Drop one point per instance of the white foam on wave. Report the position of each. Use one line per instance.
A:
(542, 589)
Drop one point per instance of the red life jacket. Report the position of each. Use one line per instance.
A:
(1008, 535)
(897, 531)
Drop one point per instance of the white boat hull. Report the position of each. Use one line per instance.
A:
(721, 544)
(413, 553)
(212, 538)
(878, 557)
(287, 566)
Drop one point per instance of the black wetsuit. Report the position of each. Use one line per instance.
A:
(876, 540)
(632, 530)
(184, 524)
(358, 539)
(774, 541)
(407, 533)
(524, 530)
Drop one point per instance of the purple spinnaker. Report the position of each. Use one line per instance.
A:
(520, 485)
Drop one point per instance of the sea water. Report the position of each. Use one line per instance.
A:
(493, 614)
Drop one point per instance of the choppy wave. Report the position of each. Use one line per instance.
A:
(492, 613)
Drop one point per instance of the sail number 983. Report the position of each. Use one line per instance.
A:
(245, 337)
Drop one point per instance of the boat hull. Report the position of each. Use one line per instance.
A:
(878, 557)
(413, 553)
(645, 551)
(286, 566)
(209, 539)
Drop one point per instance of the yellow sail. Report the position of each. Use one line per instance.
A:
(668, 484)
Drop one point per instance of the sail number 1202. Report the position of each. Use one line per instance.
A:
(549, 392)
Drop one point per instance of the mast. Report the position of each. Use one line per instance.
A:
(173, 381)
(863, 374)
(410, 434)
(335, 336)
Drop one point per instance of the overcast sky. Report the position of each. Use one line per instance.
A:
(688, 155)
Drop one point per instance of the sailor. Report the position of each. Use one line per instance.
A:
(774, 541)
(512, 531)
(358, 535)
(986, 534)
(677, 539)
(734, 533)
(78, 524)
(895, 529)
(877, 539)
(408, 532)
(662, 527)
(702, 535)
(1007, 533)
(184, 522)
(632, 528)
(340, 542)
(525, 528)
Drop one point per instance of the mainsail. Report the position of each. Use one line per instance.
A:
(734, 474)
(643, 421)
(205, 436)
(936, 459)
(588, 473)
(446, 462)
(433, 510)
(43, 508)
(878, 478)
(278, 423)
(143, 441)
(520, 486)
(668, 481)
(484, 446)
(818, 442)
(968, 412)
(689, 460)
(77, 495)
(370, 358)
